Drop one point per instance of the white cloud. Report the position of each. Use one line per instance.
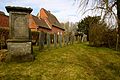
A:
(62, 9)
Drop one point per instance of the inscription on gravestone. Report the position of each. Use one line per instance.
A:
(20, 29)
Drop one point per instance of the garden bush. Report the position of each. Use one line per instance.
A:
(101, 35)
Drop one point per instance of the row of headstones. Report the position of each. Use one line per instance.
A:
(82, 38)
(58, 40)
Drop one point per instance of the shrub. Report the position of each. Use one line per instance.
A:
(96, 33)
(101, 35)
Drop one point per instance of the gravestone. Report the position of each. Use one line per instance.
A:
(55, 40)
(19, 43)
(41, 40)
(79, 38)
(65, 40)
(84, 38)
(48, 40)
(60, 40)
(72, 39)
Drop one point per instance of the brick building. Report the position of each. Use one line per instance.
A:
(36, 24)
(46, 22)
(4, 26)
(4, 20)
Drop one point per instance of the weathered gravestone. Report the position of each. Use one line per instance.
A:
(55, 40)
(79, 38)
(19, 43)
(84, 38)
(65, 40)
(71, 39)
(60, 40)
(48, 40)
(41, 40)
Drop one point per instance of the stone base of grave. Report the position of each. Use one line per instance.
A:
(20, 51)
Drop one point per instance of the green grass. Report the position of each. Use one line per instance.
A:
(73, 62)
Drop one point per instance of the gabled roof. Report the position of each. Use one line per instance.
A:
(40, 22)
(51, 18)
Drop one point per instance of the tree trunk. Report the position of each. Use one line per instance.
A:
(118, 14)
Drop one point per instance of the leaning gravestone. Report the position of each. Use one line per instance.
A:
(19, 43)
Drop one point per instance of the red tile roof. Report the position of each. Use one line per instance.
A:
(50, 18)
(40, 22)
(35, 22)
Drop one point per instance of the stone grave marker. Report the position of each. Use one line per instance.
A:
(39, 44)
(72, 39)
(60, 40)
(65, 40)
(84, 38)
(19, 43)
(48, 40)
(55, 40)
(41, 40)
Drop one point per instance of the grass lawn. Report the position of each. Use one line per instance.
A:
(73, 62)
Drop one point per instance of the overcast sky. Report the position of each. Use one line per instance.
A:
(64, 10)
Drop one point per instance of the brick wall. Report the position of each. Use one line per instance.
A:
(56, 30)
(4, 21)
